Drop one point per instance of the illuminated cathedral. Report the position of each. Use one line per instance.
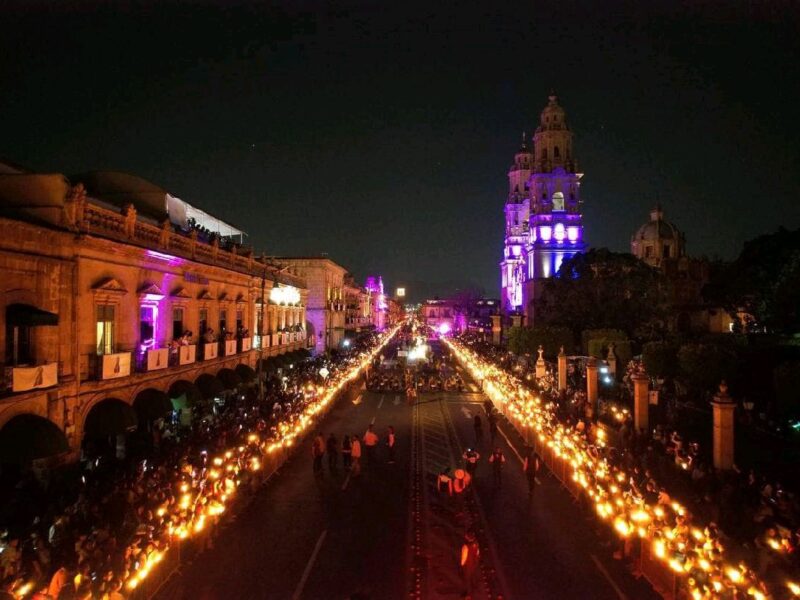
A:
(543, 212)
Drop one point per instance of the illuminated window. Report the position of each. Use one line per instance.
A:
(105, 329)
(147, 325)
(572, 234)
(558, 201)
(545, 233)
(559, 233)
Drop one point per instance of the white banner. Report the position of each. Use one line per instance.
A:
(30, 378)
(210, 350)
(116, 365)
(247, 344)
(157, 359)
(187, 354)
(230, 347)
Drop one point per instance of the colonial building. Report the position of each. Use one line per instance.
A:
(542, 212)
(358, 307)
(660, 244)
(326, 304)
(439, 315)
(113, 302)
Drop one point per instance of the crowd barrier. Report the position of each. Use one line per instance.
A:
(187, 550)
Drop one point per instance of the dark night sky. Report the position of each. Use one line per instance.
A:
(381, 132)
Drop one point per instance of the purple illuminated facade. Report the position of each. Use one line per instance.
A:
(543, 219)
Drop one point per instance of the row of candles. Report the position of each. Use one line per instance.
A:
(201, 494)
(696, 556)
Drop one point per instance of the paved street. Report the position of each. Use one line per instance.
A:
(305, 537)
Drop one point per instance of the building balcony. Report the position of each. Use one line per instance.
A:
(32, 377)
(245, 344)
(187, 354)
(114, 366)
(156, 359)
(209, 350)
(228, 347)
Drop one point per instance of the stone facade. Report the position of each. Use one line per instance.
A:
(91, 298)
(325, 310)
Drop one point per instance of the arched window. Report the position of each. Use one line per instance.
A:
(556, 153)
(544, 153)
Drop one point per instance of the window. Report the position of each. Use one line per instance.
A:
(666, 250)
(18, 344)
(239, 319)
(556, 153)
(202, 323)
(105, 329)
(147, 325)
(223, 320)
(648, 252)
(544, 153)
(177, 323)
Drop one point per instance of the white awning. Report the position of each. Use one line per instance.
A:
(180, 212)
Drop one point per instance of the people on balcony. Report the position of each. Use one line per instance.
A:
(209, 336)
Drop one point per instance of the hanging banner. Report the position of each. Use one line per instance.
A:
(157, 359)
(116, 365)
(187, 354)
(31, 378)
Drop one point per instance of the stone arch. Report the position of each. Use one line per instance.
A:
(26, 437)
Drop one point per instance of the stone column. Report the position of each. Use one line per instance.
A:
(541, 368)
(641, 403)
(496, 329)
(562, 370)
(591, 387)
(723, 406)
(516, 320)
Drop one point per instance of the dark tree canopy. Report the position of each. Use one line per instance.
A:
(601, 289)
(763, 281)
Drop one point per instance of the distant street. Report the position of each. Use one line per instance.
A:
(338, 536)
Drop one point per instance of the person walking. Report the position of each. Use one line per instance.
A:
(390, 442)
(355, 454)
(492, 427)
(497, 459)
(346, 458)
(471, 457)
(370, 444)
(470, 560)
(332, 448)
(531, 468)
(478, 424)
(317, 451)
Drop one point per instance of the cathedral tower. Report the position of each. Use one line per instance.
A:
(543, 219)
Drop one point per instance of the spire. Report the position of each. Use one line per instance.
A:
(524, 146)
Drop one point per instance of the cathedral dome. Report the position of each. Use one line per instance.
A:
(553, 115)
(657, 228)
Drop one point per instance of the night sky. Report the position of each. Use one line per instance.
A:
(381, 132)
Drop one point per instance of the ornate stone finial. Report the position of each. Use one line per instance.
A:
(541, 352)
(129, 212)
(561, 351)
(722, 396)
(74, 205)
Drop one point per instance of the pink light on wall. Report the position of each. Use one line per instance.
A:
(444, 328)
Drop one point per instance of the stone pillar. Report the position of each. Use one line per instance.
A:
(723, 406)
(611, 359)
(497, 329)
(516, 320)
(541, 368)
(641, 402)
(562, 370)
(591, 387)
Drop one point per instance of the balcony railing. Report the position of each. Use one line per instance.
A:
(187, 354)
(210, 350)
(24, 379)
(114, 366)
(157, 359)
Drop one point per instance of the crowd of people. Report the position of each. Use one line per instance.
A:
(97, 530)
(628, 491)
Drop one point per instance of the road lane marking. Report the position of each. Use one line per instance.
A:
(373, 420)
(519, 456)
(346, 481)
(613, 583)
(357, 399)
(299, 590)
(380, 403)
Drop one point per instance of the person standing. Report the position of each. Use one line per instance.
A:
(355, 453)
(346, 459)
(478, 424)
(317, 451)
(470, 560)
(390, 442)
(531, 468)
(332, 447)
(471, 457)
(497, 459)
(370, 444)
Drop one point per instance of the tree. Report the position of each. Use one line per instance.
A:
(597, 341)
(601, 289)
(703, 366)
(763, 281)
(660, 359)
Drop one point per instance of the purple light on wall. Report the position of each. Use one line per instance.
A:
(168, 258)
(444, 328)
(559, 233)
(573, 234)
